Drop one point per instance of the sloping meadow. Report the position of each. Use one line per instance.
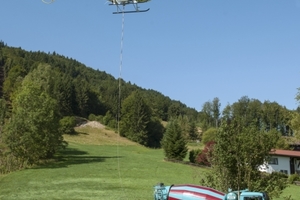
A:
(117, 169)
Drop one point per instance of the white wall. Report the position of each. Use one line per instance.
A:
(283, 164)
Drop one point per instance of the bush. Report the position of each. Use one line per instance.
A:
(204, 158)
(67, 124)
(293, 177)
(209, 135)
(112, 124)
(9, 163)
(107, 118)
(193, 155)
(98, 118)
(92, 117)
(273, 183)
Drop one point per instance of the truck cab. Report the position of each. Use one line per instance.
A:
(246, 195)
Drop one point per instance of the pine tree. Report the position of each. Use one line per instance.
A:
(193, 132)
(174, 144)
(136, 116)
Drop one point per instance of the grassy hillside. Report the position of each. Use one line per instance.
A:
(98, 164)
(96, 134)
(94, 168)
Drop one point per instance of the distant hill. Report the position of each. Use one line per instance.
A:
(79, 89)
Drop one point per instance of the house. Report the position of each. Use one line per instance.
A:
(285, 161)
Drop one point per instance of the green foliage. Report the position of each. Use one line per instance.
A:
(67, 124)
(92, 117)
(238, 152)
(136, 116)
(273, 183)
(155, 133)
(65, 94)
(193, 155)
(98, 118)
(8, 162)
(293, 177)
(206, 116)
(158, 103)
(3, 113)
(282, 143)
(209, 135)
(295, 123)
(175, 110)
(298, 95)
(267, 115)
(216, 111)
(13, 81)
(109, 120)
(173, 143)
(193, 131)
(184, 125)
(210, 114)
(137, 122)
(33, 133)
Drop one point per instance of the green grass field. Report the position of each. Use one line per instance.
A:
(97, 172)
(91, 169)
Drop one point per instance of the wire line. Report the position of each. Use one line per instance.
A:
(119, 98)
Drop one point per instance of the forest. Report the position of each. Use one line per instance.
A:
(42, 95)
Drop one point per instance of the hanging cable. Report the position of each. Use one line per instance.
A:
(119, 98)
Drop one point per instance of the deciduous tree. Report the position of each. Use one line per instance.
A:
(238, 152)
(32, 133)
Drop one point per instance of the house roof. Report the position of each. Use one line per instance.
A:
(287, 153)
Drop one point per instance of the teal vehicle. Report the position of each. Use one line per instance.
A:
(246, 195)
(197, 192)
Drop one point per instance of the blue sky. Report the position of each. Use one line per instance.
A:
(191, 51)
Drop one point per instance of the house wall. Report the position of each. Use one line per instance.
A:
(283, 164)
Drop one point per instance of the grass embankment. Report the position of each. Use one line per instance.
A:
(120, 170)
(100, 165)
(293, 191)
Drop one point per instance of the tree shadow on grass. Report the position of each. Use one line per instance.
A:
(77, 133)
(72, 156)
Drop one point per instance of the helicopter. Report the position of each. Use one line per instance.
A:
(122, 3)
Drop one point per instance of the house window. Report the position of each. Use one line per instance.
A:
(273, 161)
(284, 171)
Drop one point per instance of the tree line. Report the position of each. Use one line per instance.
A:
(237, 142)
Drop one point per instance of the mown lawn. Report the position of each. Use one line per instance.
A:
(98, 172)
(293, 191)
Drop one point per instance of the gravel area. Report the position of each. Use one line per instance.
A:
(93, 124)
